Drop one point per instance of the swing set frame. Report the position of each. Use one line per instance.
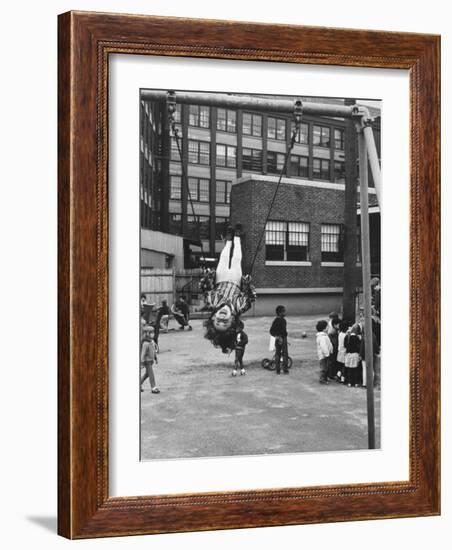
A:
(86, 41)
(367, 153)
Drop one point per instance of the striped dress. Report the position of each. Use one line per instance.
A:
(229, 294)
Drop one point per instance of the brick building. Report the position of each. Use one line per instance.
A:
(300, 261)
(239, 153)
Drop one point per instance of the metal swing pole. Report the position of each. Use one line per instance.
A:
(363, 123)
(373, 159)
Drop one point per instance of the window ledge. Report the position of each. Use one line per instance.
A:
(286, 263)
(332, 264)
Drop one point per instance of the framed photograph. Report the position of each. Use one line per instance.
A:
(248, 275)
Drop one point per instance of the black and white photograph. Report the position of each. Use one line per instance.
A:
(259, 224)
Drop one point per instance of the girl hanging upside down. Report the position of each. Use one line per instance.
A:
(227, 293)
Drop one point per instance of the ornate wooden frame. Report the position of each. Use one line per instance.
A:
(85, 42)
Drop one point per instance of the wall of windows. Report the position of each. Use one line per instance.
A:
(252, 124)
(199, 227)
(339, 171)
(199, 189)
(339, 139)
(198, 152)
(332, 243)
(174, 153)
(303, 134)
(226, 120)
(175, 224)
(175, 187)
(286, 241)
(221, 224)
(321, 136)
(226, 155)
(252, 159)
(321, 169)
(275, 162)
(223, 191)
(276, 128)
(299, 166)
(199, 115)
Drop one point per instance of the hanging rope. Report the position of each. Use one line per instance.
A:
(171, 102)
(298, 110)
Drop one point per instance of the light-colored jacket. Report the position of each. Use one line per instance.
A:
(324, 345)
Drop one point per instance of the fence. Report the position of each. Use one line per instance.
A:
(158, 284)
(167, 284)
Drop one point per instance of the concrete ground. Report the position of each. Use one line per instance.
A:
(202, 411)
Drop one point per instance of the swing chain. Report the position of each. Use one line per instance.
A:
(297, 115)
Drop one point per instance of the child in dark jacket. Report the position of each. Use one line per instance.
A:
(353, 367)
(241, 341)
(279, 331)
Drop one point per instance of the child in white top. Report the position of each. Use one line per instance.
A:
(341, 351)
(324, 350)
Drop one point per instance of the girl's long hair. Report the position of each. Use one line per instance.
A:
(221, 339)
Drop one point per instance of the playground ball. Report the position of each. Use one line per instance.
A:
(303, 335)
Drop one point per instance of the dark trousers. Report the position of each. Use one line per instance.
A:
(324, 363)
(332, 366)
(239, 353)
(281, 352)
(181, 319)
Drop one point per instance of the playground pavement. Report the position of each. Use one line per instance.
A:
(202, 411)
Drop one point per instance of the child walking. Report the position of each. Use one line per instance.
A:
(279, 331)
(324, 350)
(240, 344)
(149, 357)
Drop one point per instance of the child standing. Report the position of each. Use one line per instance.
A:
(341, 351)
(324, 350)
(149, 357)
(240, 344)
(352, 359)
(279, 331)
(333, 334)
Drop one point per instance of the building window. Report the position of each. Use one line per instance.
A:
(199, 226)
(175, 187)
(198, 152)
(321, 169)
(223, 191)
(252, 124)
(174, 155)
(226, 120)
(287, 241)
(339, 139)
(299, 166)
(252, 159)
(276, 128)
(332, 243)
(275, 162)
(220, 227)
(178, 113)
(339, 171)
(321, 136)
(226, 155)
(199, 189)
(199, 115)
(303, 134)
(175, 224)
